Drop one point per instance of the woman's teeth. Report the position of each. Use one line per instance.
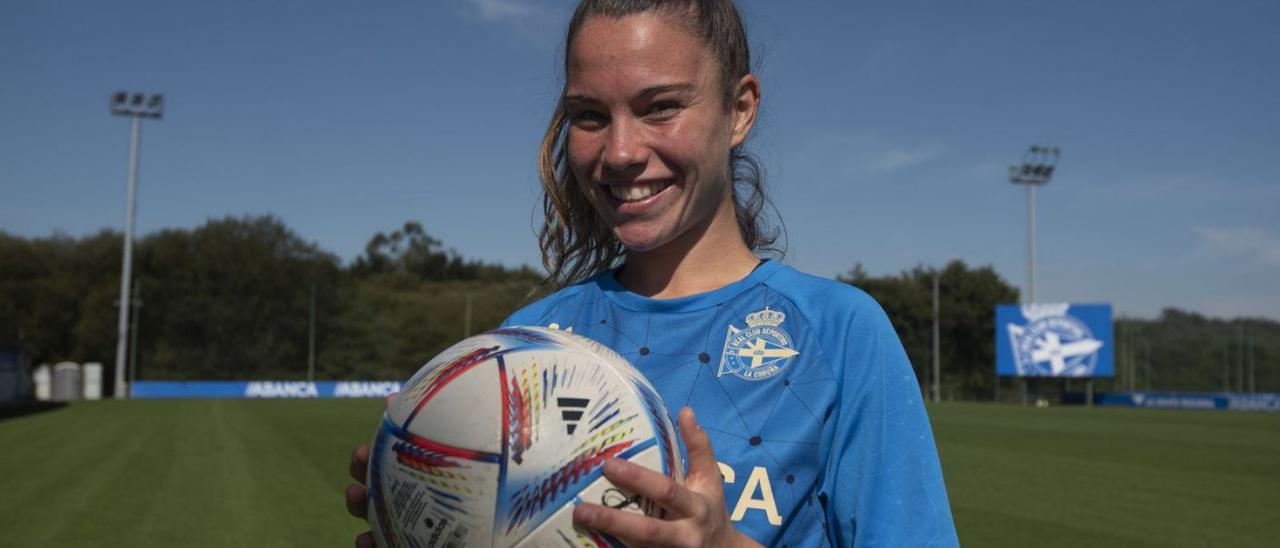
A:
(631, 193)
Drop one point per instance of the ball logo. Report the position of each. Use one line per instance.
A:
(1053, 343)
(761, 350)
(571, 410)
(618, 500)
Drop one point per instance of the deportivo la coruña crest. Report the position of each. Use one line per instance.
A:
(1053, 343)
(761, 350)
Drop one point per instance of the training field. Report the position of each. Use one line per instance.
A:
(1074, 476)
(271, 473)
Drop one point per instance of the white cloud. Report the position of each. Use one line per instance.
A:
(991, 169)
(863, 155)
(495, 10)
(898, 159)
(539, 22)
(1252, 244)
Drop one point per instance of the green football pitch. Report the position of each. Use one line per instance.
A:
(271, 473)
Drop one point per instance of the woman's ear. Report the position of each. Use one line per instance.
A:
(746, 103)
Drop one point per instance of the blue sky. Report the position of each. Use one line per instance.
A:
(887, 130)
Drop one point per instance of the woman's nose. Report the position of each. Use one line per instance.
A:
(625, 149)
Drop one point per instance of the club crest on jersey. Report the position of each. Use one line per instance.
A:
(761, 350)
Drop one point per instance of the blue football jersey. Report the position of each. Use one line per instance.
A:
(812, 408)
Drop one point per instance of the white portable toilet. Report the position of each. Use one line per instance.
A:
(92, 372)
(43, 380)
(66, 381)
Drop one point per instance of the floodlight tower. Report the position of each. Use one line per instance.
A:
(1036, 169)
(136, 106)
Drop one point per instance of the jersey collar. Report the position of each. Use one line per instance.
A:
(609, 286)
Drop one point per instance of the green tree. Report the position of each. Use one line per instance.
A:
(408, 300)
(53, 295)
(1185, 351)
(231, 299)
(410, 249)
(967, 300)
(394, 323)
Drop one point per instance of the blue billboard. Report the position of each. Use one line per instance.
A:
(1181, 400)
(263, 389)
(1054, 340)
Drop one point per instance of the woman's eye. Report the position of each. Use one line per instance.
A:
(587, 117)
(664, 108)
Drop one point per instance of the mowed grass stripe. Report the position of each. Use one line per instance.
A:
(271, 473)
(182, 473)
(218, 458)
(1076, 476)
(59, 491)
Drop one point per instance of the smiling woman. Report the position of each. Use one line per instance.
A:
(649, 136)
(646, 143)
(810, 430)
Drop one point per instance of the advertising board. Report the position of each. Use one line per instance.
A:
(263, 389)
(1189, 400)
(1054, 340)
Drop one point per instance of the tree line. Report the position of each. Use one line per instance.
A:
(1176, 351)
(235, 297)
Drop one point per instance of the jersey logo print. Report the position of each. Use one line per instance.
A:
(761, 350)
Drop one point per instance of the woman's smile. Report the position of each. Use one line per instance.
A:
(636, 192)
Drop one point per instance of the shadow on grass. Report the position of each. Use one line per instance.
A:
(22, 409)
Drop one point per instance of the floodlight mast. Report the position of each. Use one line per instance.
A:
(1037, 168)
(136, 106)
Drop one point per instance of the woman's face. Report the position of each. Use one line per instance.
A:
(649, 135)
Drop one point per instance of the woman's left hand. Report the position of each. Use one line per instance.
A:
(696, 511)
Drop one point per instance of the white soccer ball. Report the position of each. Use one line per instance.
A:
(494, 442)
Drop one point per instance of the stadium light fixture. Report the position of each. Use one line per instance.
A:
(136, 106)
(1038, 163)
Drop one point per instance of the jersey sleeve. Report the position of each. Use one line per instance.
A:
(524, 316)
(883, 484)
(534, 314)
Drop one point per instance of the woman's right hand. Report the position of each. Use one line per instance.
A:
(357, 494)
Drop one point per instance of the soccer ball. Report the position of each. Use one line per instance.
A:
(494, 442)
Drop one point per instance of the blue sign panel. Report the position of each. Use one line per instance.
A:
(1054, 340)
(10, 361)
(263, 389)
(1182, 400)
